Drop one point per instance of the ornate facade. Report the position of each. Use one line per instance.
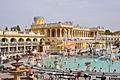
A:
(65, 31)
(63, 34)
(14, 42)
(58, 35)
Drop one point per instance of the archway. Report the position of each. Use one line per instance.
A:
(53, 32)
(4, 40)
(28, 40)
(21, 40)
(34, 40)
(13, 40)
(48, 33)
(58, 33)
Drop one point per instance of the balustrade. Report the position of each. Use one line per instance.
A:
(13, 44)
(4, 44)
(28, 43)
(21, 44)
(34, 43)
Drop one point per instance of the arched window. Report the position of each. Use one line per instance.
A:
(4, 40)
(53, 32)
(13, 40)
(21, 40)
(34, 40)
(58, 32)
(48, 33)
(28, 40)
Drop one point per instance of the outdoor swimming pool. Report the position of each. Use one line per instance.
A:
(72, 63)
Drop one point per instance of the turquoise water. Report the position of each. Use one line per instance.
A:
(72, 63)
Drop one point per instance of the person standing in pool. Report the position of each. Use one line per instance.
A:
(88, 69)
(100, 70)
(103, 77)
(114, 71)
(78, 67)
(94, 69)
(31, 71)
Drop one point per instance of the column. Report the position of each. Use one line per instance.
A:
(45, 32)
(65, 33)
(72, 33)
(50, 32)
(87, 34)
(56, 32)
(68, 33)
(17, 46)
(83, 34)
(94, 34)
(80, 34)
(75, 33)
(60, 32)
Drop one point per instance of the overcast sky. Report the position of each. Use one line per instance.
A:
(86, 13)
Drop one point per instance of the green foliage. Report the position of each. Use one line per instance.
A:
(108, 32)
(6, 28)
(18, 28)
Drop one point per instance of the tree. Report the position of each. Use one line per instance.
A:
(18, 28)
(13, 29)
(108, 32)
(6, 28)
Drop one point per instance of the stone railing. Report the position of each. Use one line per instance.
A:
(4, 44)
(21, 44)
(13, 44)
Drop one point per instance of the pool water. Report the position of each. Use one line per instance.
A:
(72, 63)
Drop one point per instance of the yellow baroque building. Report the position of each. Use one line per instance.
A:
(65, 35)
(15, 42)
(60, 36)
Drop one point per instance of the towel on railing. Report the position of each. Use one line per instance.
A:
(93, 78)
(108, 78)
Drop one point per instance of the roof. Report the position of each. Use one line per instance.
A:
(117, 32)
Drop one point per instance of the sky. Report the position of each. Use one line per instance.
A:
(86, 13)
